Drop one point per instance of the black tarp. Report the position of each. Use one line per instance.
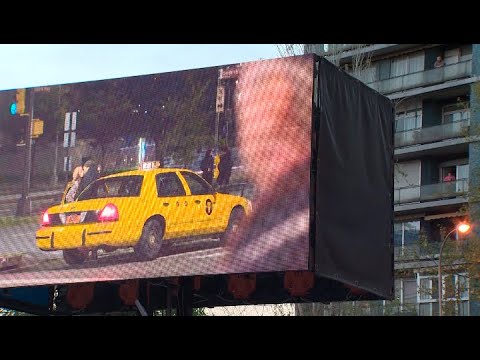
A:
(354, 182)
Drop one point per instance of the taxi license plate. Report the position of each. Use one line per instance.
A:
(73, 219)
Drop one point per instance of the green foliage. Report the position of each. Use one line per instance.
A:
(182, 124)
(199, 312)
(105, 111)
(195, 312)
(51, 106)
(7, 221)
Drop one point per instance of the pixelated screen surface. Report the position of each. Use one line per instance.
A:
(203, 171)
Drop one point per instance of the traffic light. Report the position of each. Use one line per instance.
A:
(18, 105)
(37, 128)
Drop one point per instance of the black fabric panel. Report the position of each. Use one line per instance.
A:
(354, 183)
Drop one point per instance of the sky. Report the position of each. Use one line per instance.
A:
(41, 65)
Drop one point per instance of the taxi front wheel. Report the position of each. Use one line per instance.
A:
(150, 243)
(236, 217)
(75, 256)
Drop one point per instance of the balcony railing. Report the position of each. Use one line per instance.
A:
(430, 250)
(432, 134)
(443, 190)
(416, 252)
(409, 252)
(422, 78)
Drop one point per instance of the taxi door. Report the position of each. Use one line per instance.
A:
(172, 202)
(201, 209)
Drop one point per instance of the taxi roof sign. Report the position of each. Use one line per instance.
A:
(148, 165)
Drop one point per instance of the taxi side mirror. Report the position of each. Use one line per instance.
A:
(213, 190)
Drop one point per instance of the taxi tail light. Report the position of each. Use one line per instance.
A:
(46, 219)
(108, 213)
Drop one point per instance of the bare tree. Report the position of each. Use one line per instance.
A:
(357, 66)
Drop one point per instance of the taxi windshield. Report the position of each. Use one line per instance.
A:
(120, 186)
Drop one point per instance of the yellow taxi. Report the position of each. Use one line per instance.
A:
(140, 209)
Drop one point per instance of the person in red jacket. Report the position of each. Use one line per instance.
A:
(449, 177)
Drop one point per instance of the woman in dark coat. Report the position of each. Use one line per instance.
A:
(225, 167)
(207, 166)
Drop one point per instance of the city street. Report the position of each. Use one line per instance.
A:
(37, 267)
(23, 264)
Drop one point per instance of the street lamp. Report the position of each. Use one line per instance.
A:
(463, 228)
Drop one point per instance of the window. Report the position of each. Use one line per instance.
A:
(407, 64)
(459, 54)
(462, 172)
(197, 185)
(409, 292)
(454, 293)
(466, 53)
(406, 235)
(408, 120)
(452, 56)
(367, 75)
(408, 115)
(406, 293)
(399, 66)
(169, 184)
(449, 174)
(121, 186)
(427, 296)
(407, 174)
(462, 287)
(456, 112)
(459, 175)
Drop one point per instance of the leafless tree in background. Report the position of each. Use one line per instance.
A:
(290, 49)
(358, 64)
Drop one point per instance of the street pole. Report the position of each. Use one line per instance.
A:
(216, 131)
(217, 110)
(440, 282)
(55, 176)
(24, 205)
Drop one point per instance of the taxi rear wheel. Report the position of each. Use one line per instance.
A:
(75, 256)
(150, 243)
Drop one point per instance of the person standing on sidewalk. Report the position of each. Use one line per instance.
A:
(225, 166)
(90, 174)
(76, 180)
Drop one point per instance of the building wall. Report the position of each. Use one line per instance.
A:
(396, 72)
(474, 147)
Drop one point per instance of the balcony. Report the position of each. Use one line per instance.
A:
(430, 250)
(432, 134)
(423, 78)
(416, 252)
(348, 51)
(443, 190)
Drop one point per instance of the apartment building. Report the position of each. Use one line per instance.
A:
(435, 90)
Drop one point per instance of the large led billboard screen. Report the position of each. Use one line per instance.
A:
(267, 166)
(158, 175)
